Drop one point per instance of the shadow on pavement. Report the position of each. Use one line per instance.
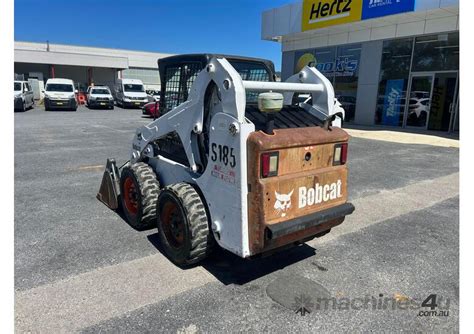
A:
(232, 269)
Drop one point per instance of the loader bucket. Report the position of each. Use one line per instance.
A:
(110, 188)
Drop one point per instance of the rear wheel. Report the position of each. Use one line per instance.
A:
(183, 224)
(139, 189)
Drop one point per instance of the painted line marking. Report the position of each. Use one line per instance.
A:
(101, 294)
(93, 167)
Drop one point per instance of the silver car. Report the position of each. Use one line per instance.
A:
(23, 97)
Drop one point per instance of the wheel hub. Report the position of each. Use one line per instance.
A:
(173, 224)
(130, 196)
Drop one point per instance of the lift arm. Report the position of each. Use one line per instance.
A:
(187, 118)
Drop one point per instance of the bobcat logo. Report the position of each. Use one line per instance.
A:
(282, 203)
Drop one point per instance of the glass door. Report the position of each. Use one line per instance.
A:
(455, 123)
(419, 100)
(443, 101)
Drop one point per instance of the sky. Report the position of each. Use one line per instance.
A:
(168, 26)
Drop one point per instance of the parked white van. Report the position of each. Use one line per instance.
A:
(130, 93)
(23, 95)
(60, 94)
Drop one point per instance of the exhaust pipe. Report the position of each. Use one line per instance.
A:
(110, 187)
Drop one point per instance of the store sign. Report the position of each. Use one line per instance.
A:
(378, 8)
(318, 14)
(342, 67)
(391, 108)
(323, 13)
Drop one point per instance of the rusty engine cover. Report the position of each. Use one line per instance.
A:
(307, 182)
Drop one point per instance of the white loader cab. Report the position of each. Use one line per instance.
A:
(130, 93)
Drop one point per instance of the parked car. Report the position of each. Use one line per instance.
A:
(154, 94)
(151, 109)
(130, 93)
(99, 96)
(349, 105)
(417, 94)
(60, 94)
(23, 95)
(418, 111)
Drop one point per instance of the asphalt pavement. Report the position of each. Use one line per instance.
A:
(80, 267)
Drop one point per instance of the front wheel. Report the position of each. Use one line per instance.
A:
(139, 190)
(183, 224)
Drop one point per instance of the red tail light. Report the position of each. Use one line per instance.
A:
(344, 154)
(340, 154)
(269, 164)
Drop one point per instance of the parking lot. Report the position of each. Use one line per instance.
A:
(80, 267)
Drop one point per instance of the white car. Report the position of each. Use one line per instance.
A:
(154, 95)
(99, 96)
(60, 94)
(130, 93)
(23, 95)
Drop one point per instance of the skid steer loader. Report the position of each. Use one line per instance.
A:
(235, 159)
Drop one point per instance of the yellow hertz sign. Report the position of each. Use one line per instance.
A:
(323, 13)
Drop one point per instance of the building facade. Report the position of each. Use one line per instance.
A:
(392, 62)
(86, 65)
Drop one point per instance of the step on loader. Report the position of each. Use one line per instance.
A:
(236, 159)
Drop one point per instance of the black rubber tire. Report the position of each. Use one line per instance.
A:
(144, 179)
(198, 241)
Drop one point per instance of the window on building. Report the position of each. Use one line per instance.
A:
(394, 72)
(341, 66)
(346, 75)
(323, 59)
(436, 53)
(147, 76)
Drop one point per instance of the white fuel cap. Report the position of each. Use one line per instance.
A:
(270, 102)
